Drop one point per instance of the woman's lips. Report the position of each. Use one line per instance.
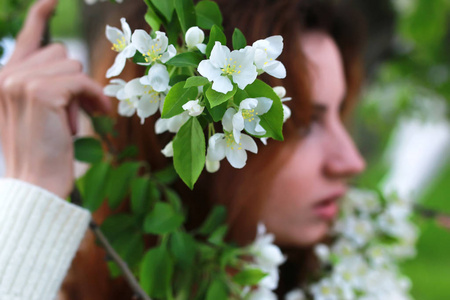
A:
(328, 208)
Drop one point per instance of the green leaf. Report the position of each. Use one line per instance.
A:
(130, 246)
(186, 13)
(272, 121)
(208, 14)
(162, 219)
(176, 98)
(168, 175)
(189, 152)
(152, 19)
(239, 40)
(216, 34)
(129, 152)
(178, 78)
(186, 59)
(218, 235)
(218, 111)
(103, 125)
(215, 98)
(183, 247)
(117, 224)
(156, 272)
(216, 218)
(249, 277)
(218, 290)
(94, 185)
(119, 182)
(165, 7)
(140, 195)
(196, 81)
(174, 199)
(88, 150)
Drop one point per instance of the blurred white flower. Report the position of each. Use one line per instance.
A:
(212, 166)
(296, 294)
(194, 39)
(193, 108)
(322, 251)
(153, 50)
(325, 289)
(262, 294)
(224, 65)
(168, 150)
(121, 40)
(266, 53)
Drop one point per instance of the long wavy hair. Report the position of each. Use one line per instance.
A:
(88, 277)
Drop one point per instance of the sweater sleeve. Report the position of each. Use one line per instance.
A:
(39, 236)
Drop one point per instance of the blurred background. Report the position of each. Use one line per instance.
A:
(401, 124)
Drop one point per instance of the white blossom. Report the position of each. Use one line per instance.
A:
(322, 251)
(194, 39)
(158, 78)
(150, 100)
(121, 40)
(224, 67)
(127, 103)
(193, 108)
(211, 166)
(296, 294)
(266, 53)
(281, 93)
(168, 150)
(248, 116)
(153, 50)
(222, 145)
(262, 294)
(172, 124)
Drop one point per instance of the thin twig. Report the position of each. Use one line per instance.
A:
(127, 273)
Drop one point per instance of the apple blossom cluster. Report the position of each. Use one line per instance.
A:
(201, 87)
(371, 236)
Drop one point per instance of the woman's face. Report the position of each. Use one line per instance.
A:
(303, 199)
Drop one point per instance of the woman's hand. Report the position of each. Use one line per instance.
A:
(40, 92)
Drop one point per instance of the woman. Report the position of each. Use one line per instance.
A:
(293, 186)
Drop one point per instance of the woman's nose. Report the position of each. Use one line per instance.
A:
(342, 157)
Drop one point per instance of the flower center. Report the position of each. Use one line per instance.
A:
(153, 54)
(230, 69)
(229, 138)
(326, 290)
(119, 45)
(248, 114)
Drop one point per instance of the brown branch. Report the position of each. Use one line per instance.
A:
(140, 294)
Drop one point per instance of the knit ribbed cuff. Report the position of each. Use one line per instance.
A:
(39, 236)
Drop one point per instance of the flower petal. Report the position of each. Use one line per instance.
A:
(280, 91)
(275, 69)
(159, 78)
(168, 150)
(147, 107)
(126, 108)
(134, 88)
(253, 127)
(264, 105)
(216, 147)
(245, 77)
(206, 69)
(126, 30)
(171, 52)
(227, 120)
(194, 36)
(248, 143)
(201, 47)
(141, 40)
(114, 87)
(161, 125)
(113, 34)
(222, 84)
(275, 46)
(117, 67)
(286, 113)
(248, 103)
(236, 157)
(219, 55)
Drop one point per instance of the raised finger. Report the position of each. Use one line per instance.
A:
(60, 91)
(30, 37)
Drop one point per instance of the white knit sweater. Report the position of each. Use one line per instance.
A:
(39, 236)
